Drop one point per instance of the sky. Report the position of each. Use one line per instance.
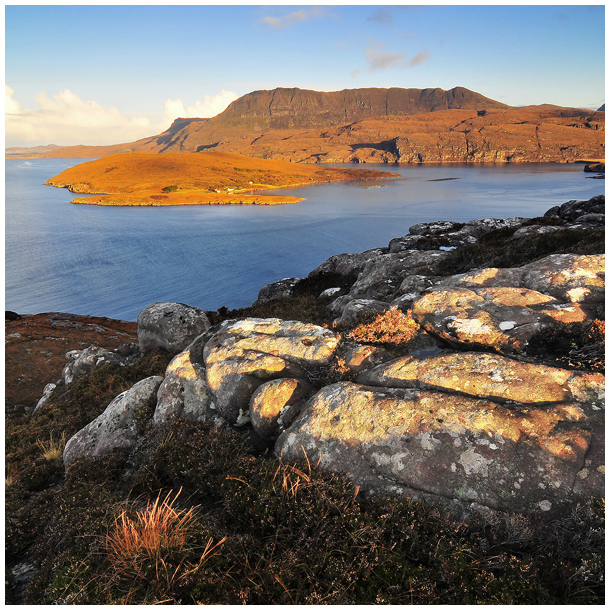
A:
(107, 74)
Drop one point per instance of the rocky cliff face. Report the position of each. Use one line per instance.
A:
(297, 108)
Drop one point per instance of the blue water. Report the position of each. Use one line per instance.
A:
(112, 261)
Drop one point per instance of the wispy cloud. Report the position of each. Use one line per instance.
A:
(382, 16)
(379, 59)
(295, 17)
(66, 119)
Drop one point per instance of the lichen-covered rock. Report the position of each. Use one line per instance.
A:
(87, 360)
(184, 391)
(500, 319)
(44, 399)
(171, 326)
(241, 357)
(569, 277)
(489, 376)
(275, 405)
(443, 448)
(362, 357)
(347, 264)
(118, 426)
(276, 290)
(383, 276)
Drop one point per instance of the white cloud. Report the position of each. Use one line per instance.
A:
(211, 106)
(66, 119)
(295, 17)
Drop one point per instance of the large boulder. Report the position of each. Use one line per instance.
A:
(171, 326)
(240, 357)
(488, 376)
(118, 427)
(574, 209)
(184, 391)
(275, 405)
(276, 290)
(450, 448)
(499, 319)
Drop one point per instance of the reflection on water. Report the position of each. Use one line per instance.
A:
(114, 261)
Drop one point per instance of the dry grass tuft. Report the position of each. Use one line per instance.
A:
(153, 548)
(53, 450)
(11, 475)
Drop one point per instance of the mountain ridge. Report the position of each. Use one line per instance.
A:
(378, 125)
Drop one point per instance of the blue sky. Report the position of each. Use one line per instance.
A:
(108, 74)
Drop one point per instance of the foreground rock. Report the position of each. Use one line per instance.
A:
(118, 426)
(240, 357)
(171, 326)
(502, 309)
(454, 448)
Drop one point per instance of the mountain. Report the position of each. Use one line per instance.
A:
(379, 126)
(32, 150)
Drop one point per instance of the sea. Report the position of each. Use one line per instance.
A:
(114, 261)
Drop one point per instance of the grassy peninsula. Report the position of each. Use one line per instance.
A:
(205, 178)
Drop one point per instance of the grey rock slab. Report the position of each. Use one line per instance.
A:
(383, 276)
(276, 290)
(118, 426)
(347, 264)
(241, 357)
(455, 448)
(171, 326)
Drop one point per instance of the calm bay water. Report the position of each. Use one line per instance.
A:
(112, 261)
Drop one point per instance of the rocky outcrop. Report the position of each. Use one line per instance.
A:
(171, 326)
(460, 419)
(184, 392)
(452, 447)
(240, 357)
(118, 426)
(276, 290)
(87, 360)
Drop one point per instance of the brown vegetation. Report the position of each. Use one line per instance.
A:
(35, 349)
(149, 179)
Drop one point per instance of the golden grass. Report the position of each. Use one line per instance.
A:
(136, 179)
(53, 450)
(11, 475)
(153, 548)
